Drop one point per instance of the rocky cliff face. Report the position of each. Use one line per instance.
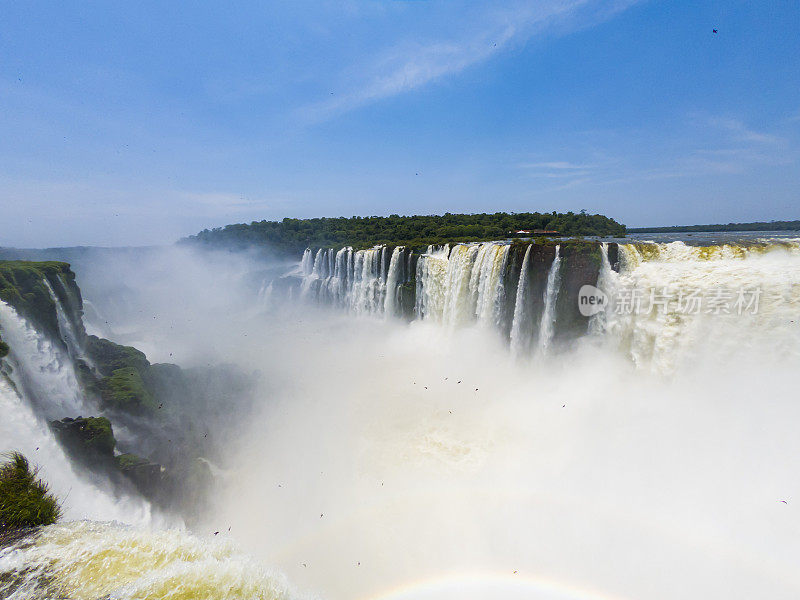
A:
(163, 409)
(462, 282)
(35, 289)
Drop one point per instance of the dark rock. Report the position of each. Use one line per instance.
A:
(88, 438)
(147, 476)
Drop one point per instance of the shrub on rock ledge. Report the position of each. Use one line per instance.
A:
(24, 499)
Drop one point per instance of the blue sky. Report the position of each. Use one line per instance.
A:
(138, 123)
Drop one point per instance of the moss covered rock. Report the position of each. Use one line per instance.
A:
(108, 356)
(89, 437)
(125, 390)
(25, 500)
(23, 285)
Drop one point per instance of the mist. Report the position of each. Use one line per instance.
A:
(380, 458)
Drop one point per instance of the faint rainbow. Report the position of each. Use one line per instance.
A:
(526, 583)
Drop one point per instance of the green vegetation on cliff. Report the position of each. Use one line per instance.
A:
(128, 381)
(25, 500)
(125, 390)
(293, 235)
(22, 285)
(87, 436)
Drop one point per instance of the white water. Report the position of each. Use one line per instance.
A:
(22, 431)
(90, 560)
(413, 462)
(666, 338)
(420, 462)
(390, 307)
(547, 327)
(358, 280)
(66, 329)
(463, 284)
(40, 367)
(520, 333)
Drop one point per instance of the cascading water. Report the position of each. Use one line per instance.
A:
(466, 284)
(431, 289)
(520, 333)
(463, 284)
(547, 327)
(395, 265)
(40, 367)
(66, 328)
(21, 430)
(491, 266)
(363, 281)
(675, 301)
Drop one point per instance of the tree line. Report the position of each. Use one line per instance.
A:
(755, 226)
(294, 235)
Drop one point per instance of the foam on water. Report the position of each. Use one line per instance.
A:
(88, 560)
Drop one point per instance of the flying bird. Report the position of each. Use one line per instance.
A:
(784, 501)
(714, 31)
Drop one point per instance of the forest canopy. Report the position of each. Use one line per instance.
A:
(294, 235)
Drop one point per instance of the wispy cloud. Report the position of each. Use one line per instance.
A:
(724, 146)
(556, 166)
(411, 65)
(740, 132)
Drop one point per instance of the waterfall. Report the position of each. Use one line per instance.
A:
(547, 329)
(458, 306)
(675, 301)
(395, 265)
(490, 285)
(519, 325)
(265, 293)
(307, 263)
(465, 284)
(431, 282)
(40, 367)
(21, 431)
(598, 323)
(369, 287)
(67, 330)
(40, 386)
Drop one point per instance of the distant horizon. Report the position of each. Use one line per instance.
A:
(642, 229)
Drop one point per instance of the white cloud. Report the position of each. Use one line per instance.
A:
(411, 65)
